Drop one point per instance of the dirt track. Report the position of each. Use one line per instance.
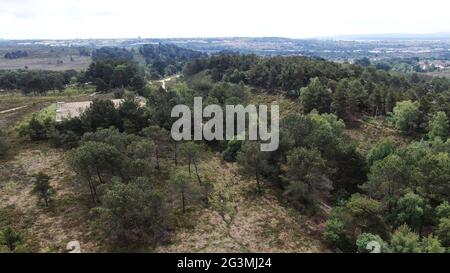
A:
(13, 116)
(13, 109)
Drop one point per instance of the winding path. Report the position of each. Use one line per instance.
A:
(12, 109)
(163, 81)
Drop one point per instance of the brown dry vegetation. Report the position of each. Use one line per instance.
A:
(26, 105)
(244, 221)
(45, 229)
(44, 58)
(443, 73)
(371, 131)
(77, 63)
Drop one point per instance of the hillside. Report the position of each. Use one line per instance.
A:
(244, 222)
(358, 147)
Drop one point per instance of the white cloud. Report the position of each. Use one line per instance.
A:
(200, 18)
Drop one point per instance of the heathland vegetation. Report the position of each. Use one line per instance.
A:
(363, 151)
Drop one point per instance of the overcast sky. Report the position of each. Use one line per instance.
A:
(64, 19)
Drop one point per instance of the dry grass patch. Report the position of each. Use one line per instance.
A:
(371, 131)
(47, 229)
(239, 220)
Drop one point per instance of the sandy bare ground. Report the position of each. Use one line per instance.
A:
(67, 110)
(164, 81)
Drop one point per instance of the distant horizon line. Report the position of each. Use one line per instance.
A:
(405, 35)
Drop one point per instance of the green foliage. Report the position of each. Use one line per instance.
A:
(167, 59)
(358, 215)
(388, 177)
(16, 54)
(192, 152)
(106, 154)
(231, 150)
(404, 240)
(383, 66)
(228, 94)
(307, 175)
(101, 114)
(315, 96)
(383, 149)
(324, 133)
(406, 116)
(66, 133)
(356, 96)
(10, 239)
(46, 113)
(422, 167)
(115, 71)
(363, 61)
(412, 210)
(275, 73)
(334, 231)
(182, 185)
(339, 104)
(375, 100)
(443, 231)
(253, 162)
(134, 215)
(118, 169)
(42, 187)
(349, 98)
(129, 117)
(438, 126)
(111, 53)
(138, 83)
(366, 214)
(36, 129)
(94, 161)
(34, 82)
(160, 137)
(433, 176)
(133, 116)
(432, 244)
(160, 104)
(443, 210)
(317, 161)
